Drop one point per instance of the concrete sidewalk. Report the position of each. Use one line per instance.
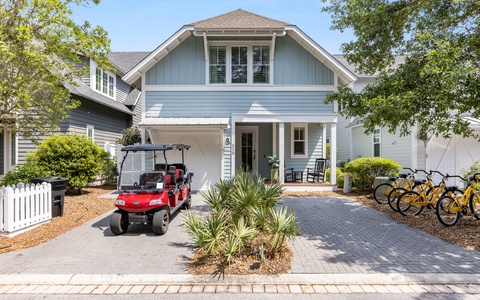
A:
(344, 247)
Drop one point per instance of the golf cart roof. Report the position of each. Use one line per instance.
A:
(155, 147)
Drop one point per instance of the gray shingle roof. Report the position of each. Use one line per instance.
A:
(85, 91)
(239, 19)
(125, 61)
(399, 59)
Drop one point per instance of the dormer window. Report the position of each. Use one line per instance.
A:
(102, 81)
(239, 64)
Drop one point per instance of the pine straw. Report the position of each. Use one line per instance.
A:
(215, 265)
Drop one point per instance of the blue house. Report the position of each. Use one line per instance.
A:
(240, 87)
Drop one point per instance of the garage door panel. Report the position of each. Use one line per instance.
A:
(452, 155)
(203, 158)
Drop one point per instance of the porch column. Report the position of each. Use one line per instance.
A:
(232, 148)
(281, 151)
(333, 153)
(274, 138)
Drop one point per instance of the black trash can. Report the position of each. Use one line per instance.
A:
(59, 187)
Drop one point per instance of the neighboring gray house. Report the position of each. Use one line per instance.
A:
(108, 105)
(240, 87)
(436, 153)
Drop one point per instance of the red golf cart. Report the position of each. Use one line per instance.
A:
(151, 191)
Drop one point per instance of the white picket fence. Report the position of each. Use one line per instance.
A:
(24, 206)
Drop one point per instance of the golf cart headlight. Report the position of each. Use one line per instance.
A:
(155, 202)
(120, 202)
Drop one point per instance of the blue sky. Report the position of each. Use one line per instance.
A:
(142, 25)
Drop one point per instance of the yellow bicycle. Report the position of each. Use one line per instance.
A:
(412, 202)
(449, 209)
(382, 192)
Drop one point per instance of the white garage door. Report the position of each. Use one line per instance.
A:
(452, 155)
(204, 157)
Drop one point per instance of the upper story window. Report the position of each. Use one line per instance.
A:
(102, 81)
(299, 140)
(244, 64)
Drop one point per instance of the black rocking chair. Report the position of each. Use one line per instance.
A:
(319, 171)
(289, 175)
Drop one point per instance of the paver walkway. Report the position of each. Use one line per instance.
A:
(345, 247)
(342, 236)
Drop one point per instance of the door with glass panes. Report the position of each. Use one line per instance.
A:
(246, 158)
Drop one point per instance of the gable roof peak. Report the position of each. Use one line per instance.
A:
(239, 19)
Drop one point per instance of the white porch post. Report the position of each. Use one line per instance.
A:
(333, 153)
(232, 147)
(274, 138)
(281, 151)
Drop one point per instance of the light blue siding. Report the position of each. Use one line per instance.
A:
(170, 104)
(363, 143)
(185, 65)
(293, 65)
(227, 150)
(315, 148)
(396, 148)
(392, 146)
(343, 139)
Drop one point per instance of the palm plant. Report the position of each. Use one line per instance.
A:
(241, 210)
(280, 227)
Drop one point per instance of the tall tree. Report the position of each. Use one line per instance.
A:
(40, 51)
(438, 86)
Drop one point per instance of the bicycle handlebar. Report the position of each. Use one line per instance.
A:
(474, 177)
(464, 179)
(431, 171)
(416, 170)
(410, 170)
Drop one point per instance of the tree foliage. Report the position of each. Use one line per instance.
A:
(40, 47)
(439, 83)
(130, 136)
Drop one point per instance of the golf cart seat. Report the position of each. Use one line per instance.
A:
(150, 179)
(179, 176)
(160, 167)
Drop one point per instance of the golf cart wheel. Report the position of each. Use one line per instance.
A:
(160, 222)
(119, 222)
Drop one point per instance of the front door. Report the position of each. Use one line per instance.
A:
(246, 148)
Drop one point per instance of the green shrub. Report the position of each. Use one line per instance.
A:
(365, 169)
(471, 170)
(339, 176)
(24, 173)
(73, 156)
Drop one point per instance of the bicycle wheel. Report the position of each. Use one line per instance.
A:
(448, 210)
(393, 197)
(381, 193)
(474, 203)
(407, 203)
